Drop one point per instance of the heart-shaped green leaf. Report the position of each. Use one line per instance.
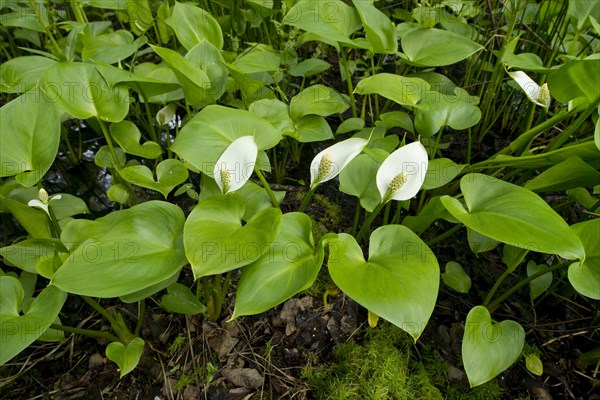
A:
(399, 282)
(288, 267)
(585, 277)
(311, 128)
(358, 178)
(19, 331)
(20, 74)
(29, 144)
(192, 24)
(402, 90)
(110, 48)
(331, 19)
(123, 252)
(215, 240)
(80, 90)
(513, 215)
(319, 100)
(381, 32)
(488, 348)
(180, 299)
(455, 111)
(126, 357)
(569, 174)
(220, 126)
(169, 173)
(441, 171)
(431, 47)
(127, 135)
(456, 277)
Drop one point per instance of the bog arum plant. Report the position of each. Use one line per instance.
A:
(43, 201)
(330, 162)
(399, 177)
(540, 95)
(402, 173)
(234, 167)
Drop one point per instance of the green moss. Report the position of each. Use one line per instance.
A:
(381, 367)
(377, 369)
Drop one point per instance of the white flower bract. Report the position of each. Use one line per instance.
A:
(402, 173)
(330, 162)
(235, 166)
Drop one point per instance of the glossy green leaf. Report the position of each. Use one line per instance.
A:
(288, 267)
(569, 174)
(358, 178)
(126, 357)
(80, 90)
(149, 80)
(169, 174)
(195, 81)
(399, 282)
(21, 74)
(350, 125)
(68, 205)
(216, 127)
(276, 112)
(540, 284)
(258, 58)
(206, 56)
(445, 110)
(456, 277)
(19, 331)
(395, 119)
(180, 299)
(431, 47)
(118, 193)
(35, 221)
(583, 11)
(534, 364)
(480, 243)
(192, 24)
(576, 79)
(585, 277)
(311, 128)
(330, 19)
(216, 241)
(257, 199)
(150, 290)
(489, 348)
(127, 135)
(380, 31)
(513, 215)
(440, 172)
(104, 158)
(29, 144)
(26, 254)
(309, 67)
(402, 90)
(123, 252)
(110, 47)
(319, 100)
(140, 15)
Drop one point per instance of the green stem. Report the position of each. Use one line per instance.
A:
(349, 81)
(307, 198)
(445, 235)
(492, 305)
(564, 135)
(149, 116)
(497, 284)
(86, 332)
(367, 224)
(386, 212)
(101, 310)
(140, 321)
(46, 28)
(356, 217)
(266, 186)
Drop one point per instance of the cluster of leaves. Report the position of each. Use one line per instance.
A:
(176, 96)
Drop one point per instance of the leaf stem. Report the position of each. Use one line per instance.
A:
(101, 310)
(348, 81)
(445, 235)
(366, 225)
(307, 198)
(266, 186)
(86, 332)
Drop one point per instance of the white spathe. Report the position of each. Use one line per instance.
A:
(330, 162)
(44, 201)
(235, 166)
(540, 95)
(406, 169)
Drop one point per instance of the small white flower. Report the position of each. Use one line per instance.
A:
(235, 166)
(330, 162)
(43, 201)
(540, 95)
(402, 173)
